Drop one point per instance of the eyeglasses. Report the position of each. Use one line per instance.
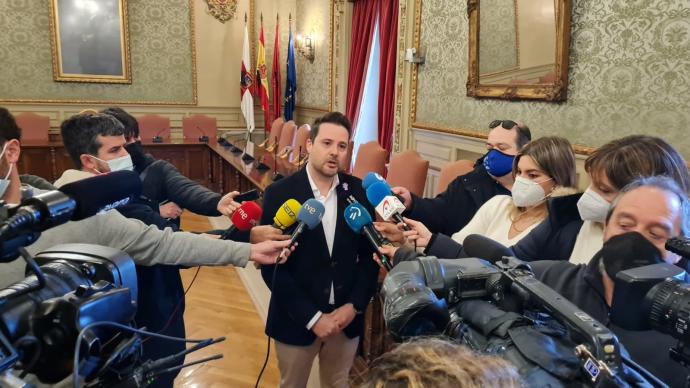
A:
(507, 124)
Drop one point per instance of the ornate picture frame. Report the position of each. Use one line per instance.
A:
(90, 41)
(557, 91)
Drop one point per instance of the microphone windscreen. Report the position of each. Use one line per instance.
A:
(246, 216)
(311, 213)
(356, 217)
(370, 179)
(377, 192)
(286, 215)
(102, 192)
(476, 245)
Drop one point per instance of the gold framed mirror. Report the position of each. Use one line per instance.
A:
(518, 49)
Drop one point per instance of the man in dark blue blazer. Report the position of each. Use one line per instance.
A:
(319, 295)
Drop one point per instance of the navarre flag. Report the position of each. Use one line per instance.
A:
(275, 75)
(247, 83)
(262, 78)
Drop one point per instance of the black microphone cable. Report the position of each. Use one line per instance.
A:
(270, 306)
(177, 307)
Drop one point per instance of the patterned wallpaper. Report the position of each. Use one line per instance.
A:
(160, 46)
(498, 27)
(314, 18)
(629, 73)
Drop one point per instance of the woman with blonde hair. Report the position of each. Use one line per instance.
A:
(438, 363)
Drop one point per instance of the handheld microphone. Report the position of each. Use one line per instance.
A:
(243, 219)
(203, 138)
(387, 205)
(309, 216)
(476, 245)
(286, 216)
(358, 219)
(73, 202)
(371, 178)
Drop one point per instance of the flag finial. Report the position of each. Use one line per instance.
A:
(262, 17)
(245, 17)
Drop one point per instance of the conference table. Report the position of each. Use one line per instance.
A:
(216, 165)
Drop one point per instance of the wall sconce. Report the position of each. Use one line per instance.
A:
(305, 47)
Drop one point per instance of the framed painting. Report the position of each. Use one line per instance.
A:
(90, 41)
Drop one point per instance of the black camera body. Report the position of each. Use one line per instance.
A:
(418, 294)
(83, 284)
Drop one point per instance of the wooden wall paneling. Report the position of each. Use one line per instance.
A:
(37, 161)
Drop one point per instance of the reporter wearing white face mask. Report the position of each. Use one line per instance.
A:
(101, 154)
(575, 228)
(542, 169)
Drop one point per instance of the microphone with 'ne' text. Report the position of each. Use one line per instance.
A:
(243, 219)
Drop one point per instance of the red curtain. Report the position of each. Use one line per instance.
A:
(388, 30)
(363, 22)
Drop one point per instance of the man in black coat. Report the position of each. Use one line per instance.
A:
(451, 210)
(643, 217)
(319, 295)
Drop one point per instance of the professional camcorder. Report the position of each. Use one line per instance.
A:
(74, 312)
(503, 309)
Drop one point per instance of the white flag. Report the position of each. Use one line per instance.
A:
(247, 84)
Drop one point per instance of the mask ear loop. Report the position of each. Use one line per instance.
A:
(97, 158)
(9, 170)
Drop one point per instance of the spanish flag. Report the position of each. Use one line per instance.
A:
(262, 78)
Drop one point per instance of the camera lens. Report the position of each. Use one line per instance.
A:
(668, 304)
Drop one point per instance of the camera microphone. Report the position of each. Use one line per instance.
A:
(72, 202)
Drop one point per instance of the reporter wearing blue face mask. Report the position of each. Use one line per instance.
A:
(451, 210)
(543, 169)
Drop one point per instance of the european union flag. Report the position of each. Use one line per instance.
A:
(291, 82)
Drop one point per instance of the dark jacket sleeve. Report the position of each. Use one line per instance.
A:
(145, 214)
(444, 247)
(367, 273)
(447, 213)
(554, 238)
(291, 297)
(185, 192)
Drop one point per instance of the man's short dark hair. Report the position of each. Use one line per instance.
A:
(9, 130)
(80, 132)
(336, 118)
(522, 133)
(128, 121)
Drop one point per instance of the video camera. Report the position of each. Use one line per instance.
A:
(74, 312)
(431, 296)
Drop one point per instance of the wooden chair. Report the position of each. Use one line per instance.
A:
(151, 126)
(34, 127)
(196, 126)
(451, 171)
(408, 169)
(300, 144)
(371, 157)
(287, 135)
(276, 128)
